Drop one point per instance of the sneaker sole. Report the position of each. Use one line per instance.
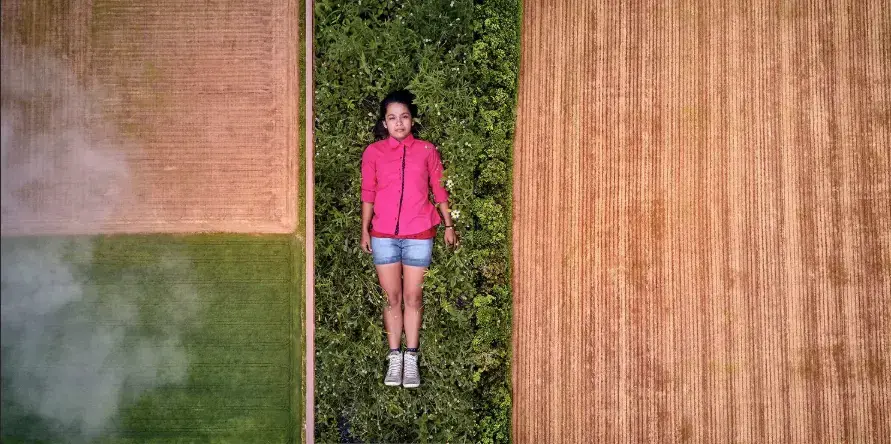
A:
(392, 384)
(411, 386)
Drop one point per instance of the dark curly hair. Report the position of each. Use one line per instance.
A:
(404, 97)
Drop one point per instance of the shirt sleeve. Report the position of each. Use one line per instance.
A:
(434, 167)
(369, 176)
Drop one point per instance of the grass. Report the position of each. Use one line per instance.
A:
(232, 303)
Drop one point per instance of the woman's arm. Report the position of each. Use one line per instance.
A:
(446, 214)
(367, 209)
(441, 196)
(369, 191)
(451, 236)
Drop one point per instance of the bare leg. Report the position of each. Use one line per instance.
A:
(390, 277)
(412, 287)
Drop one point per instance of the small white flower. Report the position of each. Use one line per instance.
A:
(449, 183)
(456, 214)
(452, 4)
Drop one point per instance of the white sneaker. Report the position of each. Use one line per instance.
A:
(394, 369)
(411, 377)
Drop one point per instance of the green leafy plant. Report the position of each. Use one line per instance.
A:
(460, 58)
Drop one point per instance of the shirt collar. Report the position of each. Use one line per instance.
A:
(393, 143)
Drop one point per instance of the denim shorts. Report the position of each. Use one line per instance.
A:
(411, 252)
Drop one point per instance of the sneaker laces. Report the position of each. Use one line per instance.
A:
(411, 366)
(395, 364)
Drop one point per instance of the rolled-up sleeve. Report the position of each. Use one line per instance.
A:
(369, 176)
(434, 166)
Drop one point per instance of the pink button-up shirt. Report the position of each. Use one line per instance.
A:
(396, 178)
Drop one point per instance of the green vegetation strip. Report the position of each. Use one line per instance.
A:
(203, 331)
(461, 59)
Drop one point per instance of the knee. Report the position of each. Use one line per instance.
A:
(394, 299)
(413, 299)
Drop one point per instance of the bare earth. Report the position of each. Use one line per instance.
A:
(702, 222)
(159, 116)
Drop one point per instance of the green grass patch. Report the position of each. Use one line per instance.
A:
(194, 339)
(460, 58)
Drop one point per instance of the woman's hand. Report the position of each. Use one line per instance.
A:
(366, 242)
(451, 237)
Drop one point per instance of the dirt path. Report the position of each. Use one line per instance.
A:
(702, 228)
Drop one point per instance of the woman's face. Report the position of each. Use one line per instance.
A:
(398, 120)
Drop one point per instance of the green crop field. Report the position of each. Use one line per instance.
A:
(164, 339)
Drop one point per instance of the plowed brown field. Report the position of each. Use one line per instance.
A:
(151, 116)
(702, 222)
